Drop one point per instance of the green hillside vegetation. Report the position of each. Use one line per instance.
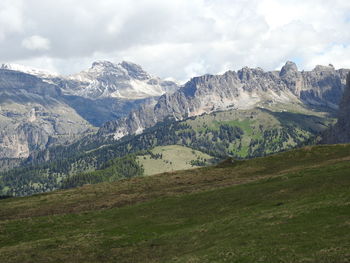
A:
(252, 133)
(114, 170)
(172, 158)
(237, 133)
(158, 160)
(288, 207)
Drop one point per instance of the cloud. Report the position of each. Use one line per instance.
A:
(10, 18)
(177, 39)
(36, 43)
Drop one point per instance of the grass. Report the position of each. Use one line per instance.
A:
(174, 158)
(288, 207)
(301, 124)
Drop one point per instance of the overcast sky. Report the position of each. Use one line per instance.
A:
(175, 38)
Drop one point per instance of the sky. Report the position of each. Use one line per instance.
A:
(175, 39)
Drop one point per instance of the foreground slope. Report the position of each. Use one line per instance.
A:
(289, 207)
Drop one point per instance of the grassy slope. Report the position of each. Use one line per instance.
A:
(174, 158)
(304, 123)
(289, 207)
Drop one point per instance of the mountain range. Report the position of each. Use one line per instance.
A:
(57, 130)
(286, 90)
(39, 109)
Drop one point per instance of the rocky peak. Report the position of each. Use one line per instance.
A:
(288, 69)
(135, 71)
(247, 74)
(102, 65)
(102, 69)
(126, 69)
(292, 77)
(321, 68)
(124, 80)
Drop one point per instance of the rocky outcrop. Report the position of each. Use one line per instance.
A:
(340, 132)
(34, 115)
(247, 88)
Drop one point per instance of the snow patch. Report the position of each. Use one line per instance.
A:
(28, 70)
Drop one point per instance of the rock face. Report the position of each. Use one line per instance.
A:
(39, 108)
(247, 88)
(33, 115)
(340, 133)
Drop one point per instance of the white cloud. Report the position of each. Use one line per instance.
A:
(10, 18)
(36, 43)
(178, 38)
(338, 53)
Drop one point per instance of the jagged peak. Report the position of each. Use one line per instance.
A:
(102, 63)
(125, 67)
(320, 68)
(126, 64)
(290, 66)
(245, 69)
(135, 70)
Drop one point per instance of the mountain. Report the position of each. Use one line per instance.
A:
(288, 207)
(40, 73)
(340, 132)
(124, 80)
(39, 109)
(287, 89)
(33, 115)
(245, 114)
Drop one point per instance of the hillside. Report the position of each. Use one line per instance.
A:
(288, 207)
(154, 161)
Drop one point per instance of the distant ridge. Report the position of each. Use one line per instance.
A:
(245, 89)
